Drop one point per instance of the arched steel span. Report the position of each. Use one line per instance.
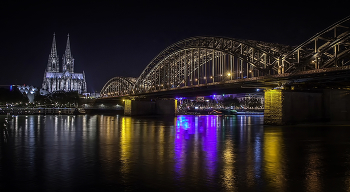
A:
(118, 86)
(209, 60)
(328, 48)
(203, 60)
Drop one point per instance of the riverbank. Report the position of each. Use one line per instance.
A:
(222, 112)
(42, 111)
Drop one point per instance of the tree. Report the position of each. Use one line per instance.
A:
(12, 96)
(69, 99)
(251, 102)
(42, 99)
(63, 98)
(229, 101)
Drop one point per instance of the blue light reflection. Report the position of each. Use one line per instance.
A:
(204, 130)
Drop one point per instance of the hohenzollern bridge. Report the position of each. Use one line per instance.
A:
(289, 74)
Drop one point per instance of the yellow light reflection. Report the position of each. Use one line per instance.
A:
(313, 172)
(161, 142)
(273, 158)
(229, 168)
(160, 150)
(125, 143)
(250, 173)
(107, 145)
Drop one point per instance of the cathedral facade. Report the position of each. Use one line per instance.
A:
(66, 79)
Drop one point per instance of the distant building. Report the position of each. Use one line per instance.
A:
(91, 95)
(28, 90)
(66, 80)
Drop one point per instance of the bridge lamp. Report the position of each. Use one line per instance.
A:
(228, 74)
(211, 77)
(205, 77)
(250, 71)
(196, 79)
(240, 72)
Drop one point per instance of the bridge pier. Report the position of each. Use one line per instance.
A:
(158, 107)
(290, 107)
(337, 105)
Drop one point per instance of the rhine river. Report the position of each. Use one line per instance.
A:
(183, 153)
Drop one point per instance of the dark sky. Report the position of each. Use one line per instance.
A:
(121, 38)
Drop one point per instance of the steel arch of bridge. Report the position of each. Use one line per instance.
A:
(210, 60)
(328, 48)
(203, 60)
(118, 86)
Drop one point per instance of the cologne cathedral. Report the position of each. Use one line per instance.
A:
(66, 80)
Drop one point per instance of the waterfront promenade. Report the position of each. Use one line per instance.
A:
(41, 111)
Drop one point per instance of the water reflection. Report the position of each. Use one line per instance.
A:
(229, 175)
(209, 153)
(273, 155)
(125, 144)
(313, 168)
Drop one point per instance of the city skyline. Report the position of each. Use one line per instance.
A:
(121, 39)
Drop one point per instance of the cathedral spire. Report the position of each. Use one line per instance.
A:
(68, 60)
(53, 48)
(53, 61)
(68, 52)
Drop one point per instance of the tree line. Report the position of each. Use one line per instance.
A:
(14, 96)
(246, 102)
(58, 98)
(8, 96)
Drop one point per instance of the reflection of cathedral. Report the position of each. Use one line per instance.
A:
(67, 80)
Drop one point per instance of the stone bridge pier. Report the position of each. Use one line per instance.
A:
(290, 107)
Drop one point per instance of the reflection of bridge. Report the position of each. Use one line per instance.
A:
(211, 63)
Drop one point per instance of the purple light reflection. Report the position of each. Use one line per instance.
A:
(209, 143)
(183, 124)
(196, 131)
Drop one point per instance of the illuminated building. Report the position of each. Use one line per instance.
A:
(28, 90)
(67, 80)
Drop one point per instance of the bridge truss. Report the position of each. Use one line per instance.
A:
(118, 86)
(328, 48)
(202, 61)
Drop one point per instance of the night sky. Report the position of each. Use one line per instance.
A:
(120, 39)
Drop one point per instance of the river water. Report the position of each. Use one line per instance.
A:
(183, 153)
